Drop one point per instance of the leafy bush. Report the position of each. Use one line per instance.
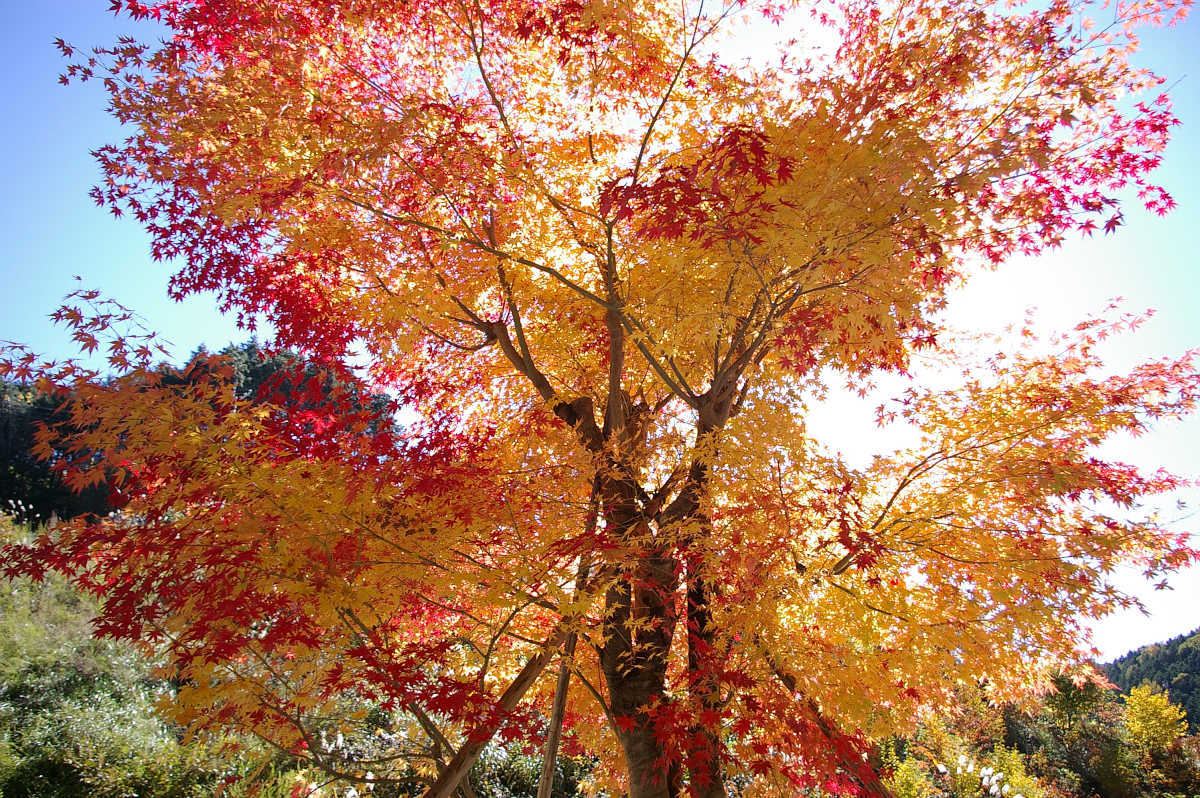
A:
(501, 773)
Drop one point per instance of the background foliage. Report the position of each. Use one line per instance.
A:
(1174, 664)
(30, 488)
(76, 712)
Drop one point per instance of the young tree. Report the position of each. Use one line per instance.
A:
(1070, 702)
(609, 261)
(1152, 721)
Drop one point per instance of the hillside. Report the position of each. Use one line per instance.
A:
(1174, 665)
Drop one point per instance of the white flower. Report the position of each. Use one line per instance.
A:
(941, 768)
(962, 759)
(971, 766)
(999, 776)
(1005, 789)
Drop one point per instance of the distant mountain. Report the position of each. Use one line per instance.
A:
(1173, 665)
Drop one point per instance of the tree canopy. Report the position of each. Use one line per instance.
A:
(609, 262)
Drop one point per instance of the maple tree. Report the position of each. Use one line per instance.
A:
(609, 262)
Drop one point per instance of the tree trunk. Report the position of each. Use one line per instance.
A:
(705, 662)
(550, 754)
(639, 624)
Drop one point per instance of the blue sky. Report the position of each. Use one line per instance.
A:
(50, 228)
(51, 232)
